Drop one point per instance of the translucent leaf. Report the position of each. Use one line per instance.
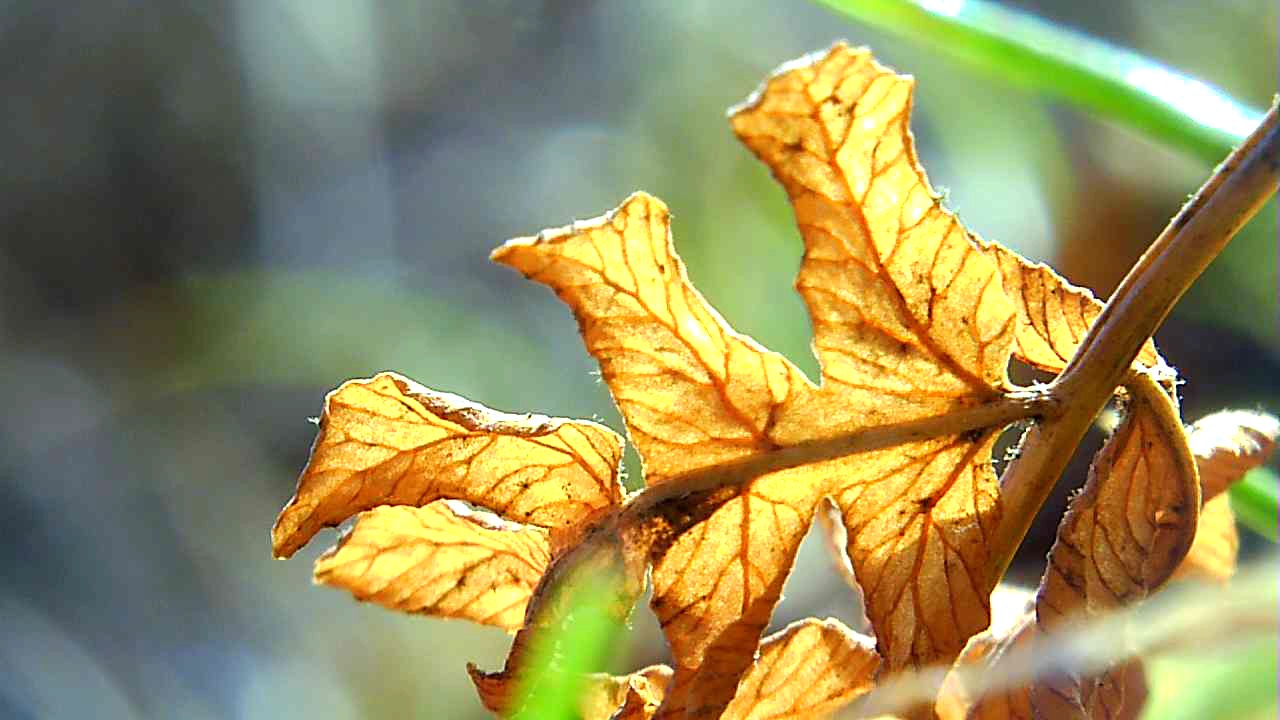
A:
(910, 322)
(1124, 534)
(1212, 556)
(390, 441)
(1122, 538)
(1230, 443)
(692, 391)
(808, 669)
(442, 559)
(1053, 314)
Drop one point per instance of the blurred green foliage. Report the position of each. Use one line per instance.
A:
(1057, 62)
(579, 644)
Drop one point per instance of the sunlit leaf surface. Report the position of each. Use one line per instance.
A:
(390, 441)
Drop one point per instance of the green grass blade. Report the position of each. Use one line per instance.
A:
(563, 654)
(1255, 500)
(1112, 82)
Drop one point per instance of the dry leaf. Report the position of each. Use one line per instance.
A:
(1230, 443)
(1226, 445)
(1122, 537)
(443, 559)
(1053, 314)
(1212, 556)
(1127, 527)
(987, 650)
(625, 697)
(390, 441)
(1124, 534)
(909, 322)
(808, 669)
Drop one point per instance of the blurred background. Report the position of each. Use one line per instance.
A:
(214, 212)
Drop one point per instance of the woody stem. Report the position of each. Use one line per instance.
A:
(1238, 188)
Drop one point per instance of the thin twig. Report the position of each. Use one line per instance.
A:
(1196, 235)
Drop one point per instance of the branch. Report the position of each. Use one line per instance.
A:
(1196, 235)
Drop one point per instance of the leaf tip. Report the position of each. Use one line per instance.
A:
(516, 252)
(283, 543)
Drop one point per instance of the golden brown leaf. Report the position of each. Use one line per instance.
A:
(1212, 556)
(1053, 314)
(1123, 537)
(910, 322)
(715, 586)
(1230, 443)
(390, 441)
(1226, 445)
(987, 650)
(635, 696)
(1053, 318)
(692, 391)
(808, 669)
(1126, 532)
(442, 559)
(908, 316)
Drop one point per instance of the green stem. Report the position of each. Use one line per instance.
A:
(1112, 82)
(1256, 502)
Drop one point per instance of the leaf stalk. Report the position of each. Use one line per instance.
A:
(1235, 192)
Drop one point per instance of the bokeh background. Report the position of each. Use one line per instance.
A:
(212, 212)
